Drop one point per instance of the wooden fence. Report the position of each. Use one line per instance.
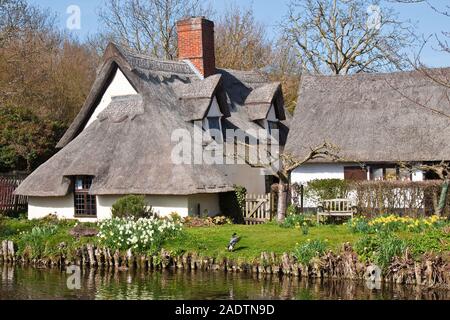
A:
(259, 208)
(9, 203)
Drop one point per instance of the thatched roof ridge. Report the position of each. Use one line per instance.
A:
(374, 117)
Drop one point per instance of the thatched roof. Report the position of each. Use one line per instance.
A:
(128, 148)
(196, 97)
(259, 101)
(374, 117)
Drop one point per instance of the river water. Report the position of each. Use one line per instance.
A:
(31, 283)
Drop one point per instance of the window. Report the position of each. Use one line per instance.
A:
(389, 173)
(85, 203)
(214, 123)
(272, 125)
(213, 128)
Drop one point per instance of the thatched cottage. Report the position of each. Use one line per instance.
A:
(121, 142)
(377, 120)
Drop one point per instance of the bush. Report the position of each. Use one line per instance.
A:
(131, 206)
(408, 198)
(322, 189)
(308, 250)
(141, 235)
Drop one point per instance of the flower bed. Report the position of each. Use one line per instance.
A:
(395, 223)
(141, 235)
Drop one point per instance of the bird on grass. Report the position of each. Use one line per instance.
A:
(234, 239)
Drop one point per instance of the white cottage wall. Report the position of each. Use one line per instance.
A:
(209, 204)
(308, 172)
(119, 86)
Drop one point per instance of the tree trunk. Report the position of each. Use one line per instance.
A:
(443, 198)
(283, 187)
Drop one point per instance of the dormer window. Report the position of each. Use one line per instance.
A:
(212, 123)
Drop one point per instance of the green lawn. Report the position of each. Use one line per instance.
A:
(212, 241)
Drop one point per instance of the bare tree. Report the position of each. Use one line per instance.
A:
(18, 19)
(286, 69)
(147, 26)
(289, 162)
(342, 37)
(241, 41)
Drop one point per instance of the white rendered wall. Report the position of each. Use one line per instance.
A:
(40, 207)
(417, 176)
(209, 204)
(251, 178)
(271, 115)
(163, 205)
(119, 86)
(312, 171)
(63, 207)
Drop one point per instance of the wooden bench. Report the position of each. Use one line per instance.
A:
(335, 208)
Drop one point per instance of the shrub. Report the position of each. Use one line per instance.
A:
(141, 235)
(131, 206)
(308, 250)
(322, 189)
(240, 192)
(409, 198)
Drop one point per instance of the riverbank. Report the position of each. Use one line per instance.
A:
(414, 256)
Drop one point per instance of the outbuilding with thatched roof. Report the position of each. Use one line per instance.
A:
(379, 122)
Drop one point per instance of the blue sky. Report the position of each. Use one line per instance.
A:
(270, 13)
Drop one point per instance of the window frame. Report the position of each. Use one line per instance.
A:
(385, 168)
(87, 208)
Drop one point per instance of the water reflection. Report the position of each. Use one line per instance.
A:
(29, 283)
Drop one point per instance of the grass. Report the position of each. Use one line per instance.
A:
(212, 241)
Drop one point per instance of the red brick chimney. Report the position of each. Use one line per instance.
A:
(196, 44)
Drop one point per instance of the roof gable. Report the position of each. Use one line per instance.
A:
(196, 97)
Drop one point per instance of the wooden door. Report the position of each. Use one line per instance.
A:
(355, 173)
